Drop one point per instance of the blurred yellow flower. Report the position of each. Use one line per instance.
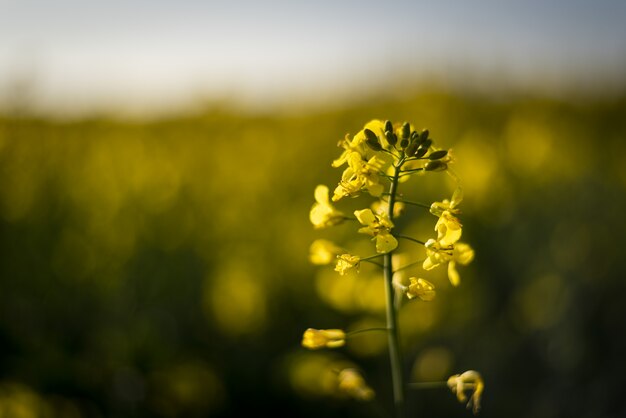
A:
(314, 339)
(378, 226)
(346, 262)
(449, 229)
(470, 380)
(323, 214)
(437, 208)
(323, 252)
(352, 383)
(360, 175)
(420, 288)
(381, 207)
(437, 254)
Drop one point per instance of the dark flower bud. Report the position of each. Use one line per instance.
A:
(438, 154)
(423, 148)
(372, 140)
(388, 126)
(404, 143)
(435, 166)
(391, 137)
(406, 130)
(410, 150)
(424, 135)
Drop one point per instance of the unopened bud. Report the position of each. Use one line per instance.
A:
(424, 135)
(388, 126)
(435, 166)
(423, 148)
(438, 154)
(372, 140)
(406, 130)
(410, 150)
(391, 137)
(404, 143)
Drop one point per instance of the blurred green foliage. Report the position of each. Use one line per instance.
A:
(159, 268)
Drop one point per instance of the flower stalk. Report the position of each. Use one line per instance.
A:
(397, 377)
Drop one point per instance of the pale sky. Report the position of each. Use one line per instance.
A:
(87, 54)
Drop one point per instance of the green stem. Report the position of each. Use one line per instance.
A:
(427, 385)
(406, 266)
(408, 202)
(409, 239)
(358, 331)
(392, 320)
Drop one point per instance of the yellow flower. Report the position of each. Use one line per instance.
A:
(470, 380)
(448, 229)
(360, 175)
(346, 262)
(420, 288)
(323, 252)
(437, 208)
(314, 339)
(352, 383)
(378, 226)
(357, 144)
(381, 207)
(323, 214)
(437, 254)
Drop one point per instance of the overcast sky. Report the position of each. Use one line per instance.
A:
(144, 52)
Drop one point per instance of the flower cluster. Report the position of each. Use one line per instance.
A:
(378, 161)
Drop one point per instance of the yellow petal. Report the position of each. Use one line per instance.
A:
(386, 243)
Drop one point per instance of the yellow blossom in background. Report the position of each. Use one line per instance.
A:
(437, 208)
(323, 252)
(462, 254)
(347, 262)
(381, 207)
(378, 226)
(360, 175)
(314, 339)
(470, 380)
(449, 229)
(352, 383)
(437, 254)
(420, 288)
(323, 214)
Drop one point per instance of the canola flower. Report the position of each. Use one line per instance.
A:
(314, 339)
(472, 381)
(352, 383)
(378, 161)
(420, 288)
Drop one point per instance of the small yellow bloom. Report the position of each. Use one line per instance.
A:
(448, 229)
(323, 252)
(378, 226)
(314, 339)
(323, 214)
(357, 144)
(352, 383)
(437, 254)
(360, 175)
(420, 288)
(437, 208)
(346, 262)
(470, 380)
(380, 207)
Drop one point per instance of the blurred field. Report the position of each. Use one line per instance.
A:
(160, 268)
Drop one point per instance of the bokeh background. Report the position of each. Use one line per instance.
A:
(157, 167)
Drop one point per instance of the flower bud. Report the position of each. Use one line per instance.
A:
(391, 137)
(435, 166)
(372, 140)
(388, 126)
(406, 130)
(404, 143)
(423, 148)
(424, 135)
(438, 154)
(410, 150)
